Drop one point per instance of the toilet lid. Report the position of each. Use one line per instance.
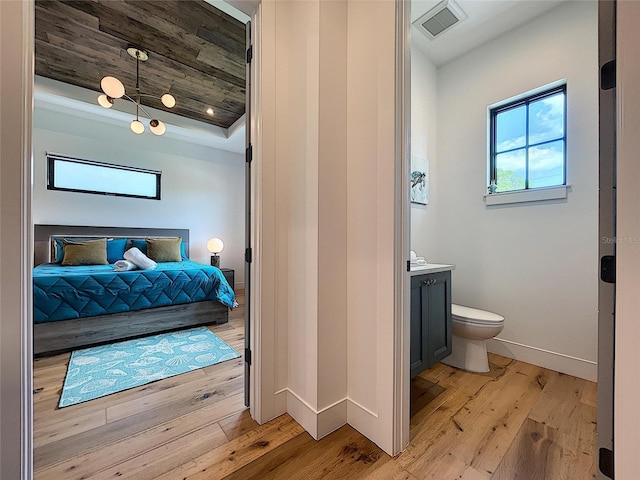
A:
(475, 315)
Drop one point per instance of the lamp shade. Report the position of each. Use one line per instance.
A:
(112, 87)
(215, 245)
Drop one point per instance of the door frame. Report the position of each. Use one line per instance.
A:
(402, 283)
(606, 227)
(17, 39)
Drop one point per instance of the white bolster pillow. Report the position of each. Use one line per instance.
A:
(124, 265)
(143, 262)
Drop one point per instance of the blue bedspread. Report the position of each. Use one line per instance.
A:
(62, 293)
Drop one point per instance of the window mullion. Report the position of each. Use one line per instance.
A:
(526, 150)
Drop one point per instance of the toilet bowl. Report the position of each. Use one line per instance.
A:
(470, 331)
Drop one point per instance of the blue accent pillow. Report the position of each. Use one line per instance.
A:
(115, 248)
(141, 244)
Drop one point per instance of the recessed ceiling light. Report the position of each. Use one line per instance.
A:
(210, 111)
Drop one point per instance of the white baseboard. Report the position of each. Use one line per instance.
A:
(318, 423)
(368, 424)
(578, 367)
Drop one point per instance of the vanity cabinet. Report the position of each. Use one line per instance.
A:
(430, 320)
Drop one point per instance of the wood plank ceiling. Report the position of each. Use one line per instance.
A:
(196, 52)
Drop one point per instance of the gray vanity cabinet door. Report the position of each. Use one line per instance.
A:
(419, 311)
(430, 320)
(439, 323)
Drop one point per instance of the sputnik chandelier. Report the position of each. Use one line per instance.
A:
(113, 88)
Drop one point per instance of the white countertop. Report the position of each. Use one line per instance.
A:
(430, 268)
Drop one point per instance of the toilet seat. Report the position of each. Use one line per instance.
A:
(475, 316)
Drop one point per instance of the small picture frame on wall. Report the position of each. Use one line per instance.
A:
(419, 180)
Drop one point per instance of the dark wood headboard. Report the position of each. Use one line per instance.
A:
(43, 233)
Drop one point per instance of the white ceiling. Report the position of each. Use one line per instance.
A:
(487, 19)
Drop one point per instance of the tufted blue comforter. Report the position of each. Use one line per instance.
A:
(61, 293)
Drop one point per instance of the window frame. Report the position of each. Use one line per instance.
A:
(526, 100)
(51, 176)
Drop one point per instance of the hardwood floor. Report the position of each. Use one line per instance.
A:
(145, 431)
(517, 422)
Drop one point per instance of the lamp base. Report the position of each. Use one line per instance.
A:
(215, 261)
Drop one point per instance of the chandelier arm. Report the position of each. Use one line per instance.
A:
(139, 105)
(145, 112)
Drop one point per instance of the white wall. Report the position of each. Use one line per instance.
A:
(627, 353)
(424, 131)
(202, 188)
(371, 216)
(535, 263)
(325, 232)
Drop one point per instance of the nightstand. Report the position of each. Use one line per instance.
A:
(229, 274)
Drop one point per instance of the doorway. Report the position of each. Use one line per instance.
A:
(207, 394)
(450, 131)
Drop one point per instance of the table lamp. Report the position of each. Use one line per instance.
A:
(215, 246)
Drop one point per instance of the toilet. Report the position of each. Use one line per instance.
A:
(471, 330)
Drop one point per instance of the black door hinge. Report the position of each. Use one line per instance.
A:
(247, 356)
(249, 53)
(408, 265)
(248, 154)
(608, 269)
(248, 254)
(608, 75)
(605, 462)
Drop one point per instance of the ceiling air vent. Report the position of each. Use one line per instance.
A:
(440, 19)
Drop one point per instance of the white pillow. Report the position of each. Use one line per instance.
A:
(124, 266)
(143, 262)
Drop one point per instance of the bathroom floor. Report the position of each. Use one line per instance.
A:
(519, 421)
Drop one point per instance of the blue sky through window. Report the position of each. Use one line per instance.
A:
(529, 144)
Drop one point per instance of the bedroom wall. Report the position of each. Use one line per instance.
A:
(535, 263)
(202, 188)
(424, 131)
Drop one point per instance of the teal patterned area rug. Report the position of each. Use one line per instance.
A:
(99, 371)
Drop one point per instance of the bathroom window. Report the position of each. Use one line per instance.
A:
(528, 142)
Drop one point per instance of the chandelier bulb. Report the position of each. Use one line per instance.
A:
(105, 101)
(112, 87)
(168, 100)
(137, 127)
(157, 127)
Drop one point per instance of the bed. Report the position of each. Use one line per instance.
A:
(78, 306)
